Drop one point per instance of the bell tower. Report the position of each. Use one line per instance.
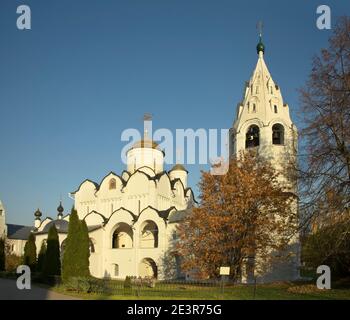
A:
(263, 123)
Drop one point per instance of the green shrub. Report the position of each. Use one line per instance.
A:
(12, 262)
(86, 285)
(127, 283)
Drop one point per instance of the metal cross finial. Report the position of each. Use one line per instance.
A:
(147, 119)
(260, 27)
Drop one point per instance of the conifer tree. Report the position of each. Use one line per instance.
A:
(52, 265)
(74, 253)
(84, 249)
(41, 257)
(29, 257)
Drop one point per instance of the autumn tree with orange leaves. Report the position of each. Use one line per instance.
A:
(242, 214)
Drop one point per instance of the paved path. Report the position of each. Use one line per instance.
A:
(9, 291)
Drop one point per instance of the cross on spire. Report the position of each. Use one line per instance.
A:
(260, 47)
(147, 118)
(260, 27)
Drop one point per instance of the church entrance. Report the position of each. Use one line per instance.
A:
(148, 268)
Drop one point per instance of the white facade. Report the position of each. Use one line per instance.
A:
(132, 217)
(263, 122)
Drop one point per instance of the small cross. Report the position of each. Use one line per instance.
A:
(147, 117)
(260, 27)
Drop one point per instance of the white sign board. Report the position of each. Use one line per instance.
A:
(224, 271)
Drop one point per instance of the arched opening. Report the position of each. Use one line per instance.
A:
(275, 109)
(149, 235)
(148, 268)
(122, 237)
(277, 134)
(252, 137)
(112, 184)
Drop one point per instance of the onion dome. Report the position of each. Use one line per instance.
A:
(60, 209)
(178, 167)
(38, 214)
(260, 46)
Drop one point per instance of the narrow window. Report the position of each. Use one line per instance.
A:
(275, 109)
(254, 107)
(277, 134)
(112, 184)
(116, 270)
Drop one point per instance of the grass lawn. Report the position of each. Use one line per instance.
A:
(278, 291)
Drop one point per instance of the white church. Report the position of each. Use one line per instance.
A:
(132, 217)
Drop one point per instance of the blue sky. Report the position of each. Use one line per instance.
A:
(90, 69)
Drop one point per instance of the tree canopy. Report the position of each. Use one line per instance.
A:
(242, 214)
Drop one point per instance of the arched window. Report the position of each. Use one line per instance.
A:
(277, 134)
(149, 235)
(252, 137)
(254, 107)
(275, 109)
(112, 184)
(116, 270)
(122, 237)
